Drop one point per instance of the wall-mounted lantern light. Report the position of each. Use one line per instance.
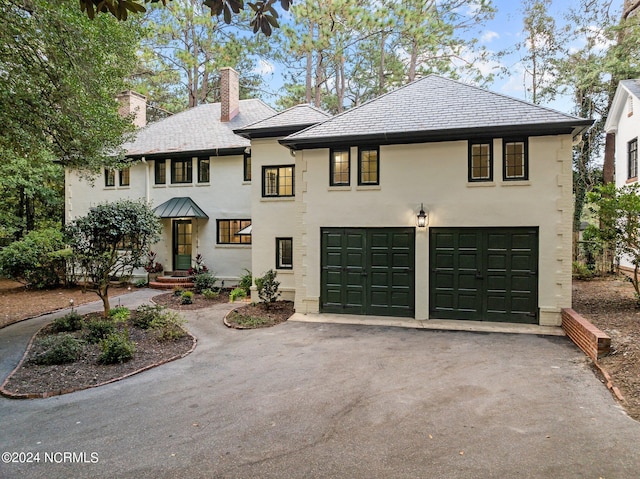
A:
(423, 217)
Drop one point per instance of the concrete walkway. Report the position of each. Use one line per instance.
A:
(307, 400)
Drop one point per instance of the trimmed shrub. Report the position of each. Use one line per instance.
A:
(116, 348)
(237, 293)
(69, 322)
(202, 281)
(245, 282)
(141, 283)
(145, 315)
(99, 330)
(168, 326)
(59, 349)
(209, 294)
(268, 288)
(186, 297)
(120, 314)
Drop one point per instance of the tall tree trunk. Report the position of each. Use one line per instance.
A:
(318, 91)
(381, 81)
(608, 167)
(413, 61)
(309, 70)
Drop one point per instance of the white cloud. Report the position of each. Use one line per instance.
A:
(264, 67)
(488, 36)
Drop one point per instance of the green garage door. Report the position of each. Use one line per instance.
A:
(368, 271)
(484, 274)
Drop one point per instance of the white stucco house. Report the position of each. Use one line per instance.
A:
(437, 200)
(196, 173)
(624, 122)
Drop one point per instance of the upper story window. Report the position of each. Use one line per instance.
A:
(284, 253)
(181, 171)
(109, 177)
(339, 170)
(125, 177)
(227, 230)
(481, 161)
(515, 160)
(278, 180)
(160, 169)
(203, 170)
(632, 158)
(368, 166)
(246, 167)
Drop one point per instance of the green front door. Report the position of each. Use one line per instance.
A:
(368, 271)
(182, 245)
(484, 274)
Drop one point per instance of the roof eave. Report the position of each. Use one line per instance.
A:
(559, 128)
(271, 132)
(239, 150)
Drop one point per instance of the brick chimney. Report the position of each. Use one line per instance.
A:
(229, 94)
(133, 103)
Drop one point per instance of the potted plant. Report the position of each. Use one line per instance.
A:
(153, 267)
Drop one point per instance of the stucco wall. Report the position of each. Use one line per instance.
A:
(436, 174)
(226, 196)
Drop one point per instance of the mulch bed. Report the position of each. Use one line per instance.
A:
(172, 301)
(610, 304)
(253, 316)
(31, 379)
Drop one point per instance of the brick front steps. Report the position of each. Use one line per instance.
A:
(171, 282)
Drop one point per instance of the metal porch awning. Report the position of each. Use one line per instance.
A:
(183, 207)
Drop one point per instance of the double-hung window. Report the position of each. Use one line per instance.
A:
(160, 172)
(339, 170)
(227, 230)
(181, 171)
(515, 160)
(203, 170)
(632, 158)
(284, 253)
(125, 177)
(278, 181)
(109, 178)
(246, 167)
(480, 161)
(368, 166)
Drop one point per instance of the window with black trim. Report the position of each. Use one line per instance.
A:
(632, 158)
(125, 177)
(368, 166)
(160, 168)
(480, 161)
(339, 170)
(109, 177)
(284, 253)
(246, 167)
(278, 181)
(228, 229)
(203, 170)
(515, 160)
(181, 171)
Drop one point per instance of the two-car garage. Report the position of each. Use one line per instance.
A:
(482, 274)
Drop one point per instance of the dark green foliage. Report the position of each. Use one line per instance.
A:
(59, 349)
(116, 348)
(168, 326)
(202, 281)
(141, 283)
(177, 291)
(186, 297)
(36, 260)
(99, 330)
(120, 314)
(245, 282)
(268, 288)
(67, 323)
(146, 314)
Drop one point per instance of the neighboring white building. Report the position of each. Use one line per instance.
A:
(624, 122)
(196, 172)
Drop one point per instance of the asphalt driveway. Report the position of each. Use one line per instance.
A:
(304, 400)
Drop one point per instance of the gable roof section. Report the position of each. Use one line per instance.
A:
(435, 109)
(284, 123)
(197, 131)
(624, 90)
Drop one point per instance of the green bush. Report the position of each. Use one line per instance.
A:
(116, 348)
(168, 326)
(120, 314)
(582, 271)
(145, 315)
(245, 282)
(268, 288)
(59, 349)
(237, 293)
(37, 260)
(99, 330)
(141, 283)
(177, 291)
(69, 322)
(202, 281)
(209, 294)
(186, 297)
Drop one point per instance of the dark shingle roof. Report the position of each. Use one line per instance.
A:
(434, 109)
(198, 129)
(288, 121)
(633, 86)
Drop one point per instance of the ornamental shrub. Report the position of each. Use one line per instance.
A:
(120, 314)
(168, 326)
(59, 349)
(245, 282)
(69, 322)
(268, 288)
(145, 315)
(210, 294)
(116, 348)
(202, 281)
(186, 297)
(237, 293)
(98, 330)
